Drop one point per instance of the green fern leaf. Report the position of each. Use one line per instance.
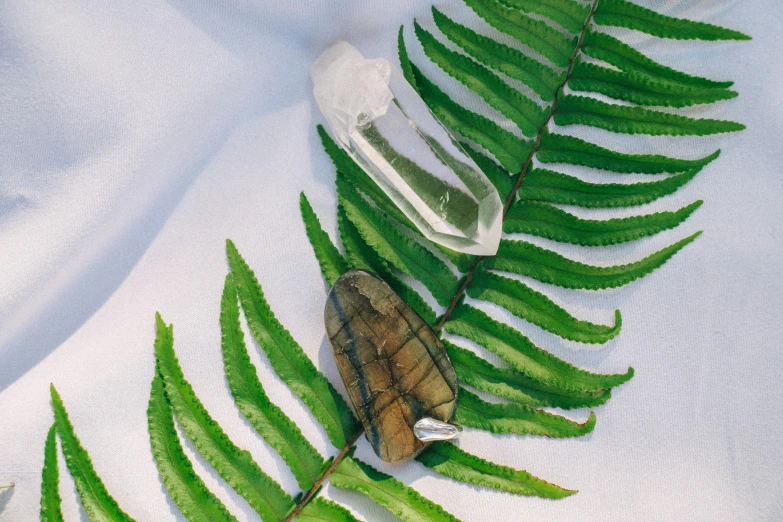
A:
(499, 176)
(509, 150)
(553, 187)
(233, 464)
(332, 263)
(511, 62)
(535, 307)
(185, 487)
(544, 265)
(568, 14)
(400, 251)
(99, 505)
(525, 357)
(50, 482)
(640, 88)
(581, 110)
(269, 421)
(504, 419)
(558, 148)
(402, 501)
(535, 34)
(517, 107)
(515, 386)
(540, 219)
(321, 510)
(621, 13)
(288, 359)
(450, 461)
(363, 256)
(615, 52)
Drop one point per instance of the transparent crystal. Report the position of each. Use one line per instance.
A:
(429, 429)
(420, 165)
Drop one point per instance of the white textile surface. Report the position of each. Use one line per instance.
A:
(135, 137)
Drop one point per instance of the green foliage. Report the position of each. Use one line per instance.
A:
(523, 258)
(97, 503)
(233, 464)
(621, 13)
(536, 34)
(450, 461)
(269, 421)
(516, 386)
(535, 307)
(400, 251)
(640, 88)
(552, 187)
(572, 110)
(555, 36)
(186, 489)
(543, 220)
(558, 148)
(50, 481)
(287, 357)
(404, 502)
(517, 419)
(609, 49)
(332, 262)
(525, 357)
(498, 94)
(568, 14)
(511, 62)
(321, 509)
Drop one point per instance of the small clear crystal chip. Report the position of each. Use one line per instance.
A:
(419, 165)
(428, 429)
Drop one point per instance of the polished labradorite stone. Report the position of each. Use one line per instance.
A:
(393, 365)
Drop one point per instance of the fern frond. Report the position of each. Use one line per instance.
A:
(511, 62)
(95, 499)
(322, 510)
(558, 148)
(509, 150)
(515, 386)
(499, 95)
(553, 187)
(185, 487)
(523, 258)
(402, 501)
(233, 464)
(496, 174)
(400, 251)
(279, 431)
(615, 52)
(568, 14)
(362, 255)
(640, 88)
(332, 263)
(581, 110)
(450, 461)
(535, 307)
(50, 481)
(504, 419)
(525, 357)
(288, 359)
(535, 34)
(621, 13)
(543, 220)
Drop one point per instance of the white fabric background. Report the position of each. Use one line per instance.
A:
(135, 137)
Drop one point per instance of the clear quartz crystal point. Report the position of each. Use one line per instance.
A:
(418, 165)
(428, 429)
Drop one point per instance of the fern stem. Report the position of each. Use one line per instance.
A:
(471, 271)
(320, 481)
(521, 176)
